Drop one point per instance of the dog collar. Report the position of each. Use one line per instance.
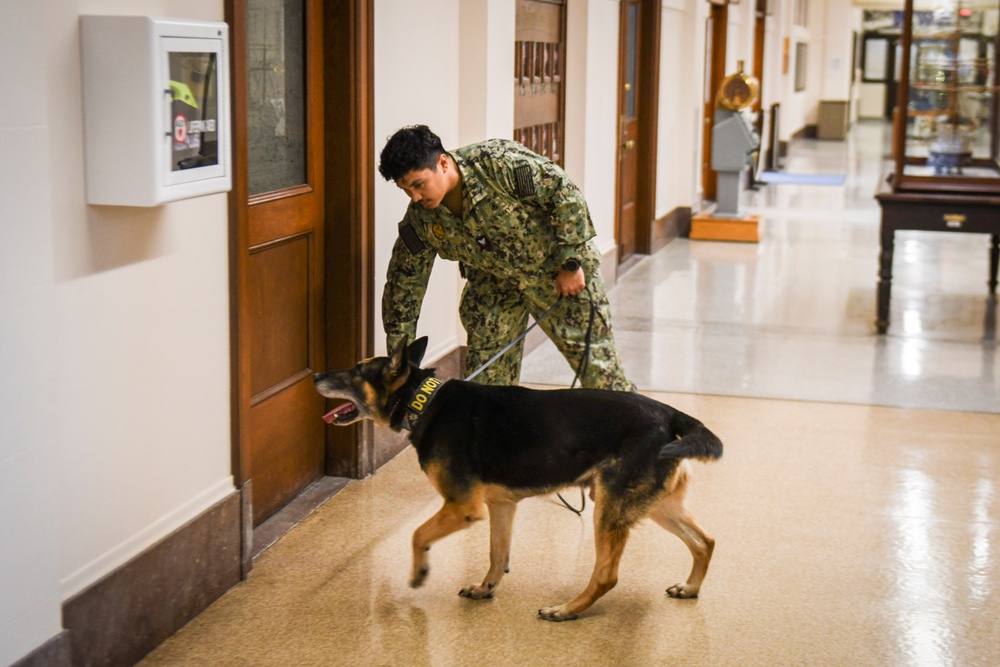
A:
(421, 399)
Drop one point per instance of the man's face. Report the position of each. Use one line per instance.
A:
(426, 187)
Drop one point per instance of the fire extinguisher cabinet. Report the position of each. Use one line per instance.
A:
(156, 109)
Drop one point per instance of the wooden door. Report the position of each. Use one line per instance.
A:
(759, 40)
(715, 67)
(539, 61)
(629, 93)
(278, 202)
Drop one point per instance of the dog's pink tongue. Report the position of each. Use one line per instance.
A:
(332, 415)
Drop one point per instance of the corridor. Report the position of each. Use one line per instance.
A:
(856, 511)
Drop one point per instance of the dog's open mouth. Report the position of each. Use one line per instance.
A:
(345, 413)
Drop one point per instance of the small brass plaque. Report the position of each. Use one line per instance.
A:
(954, 220)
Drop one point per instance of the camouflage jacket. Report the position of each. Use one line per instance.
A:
(522, 219)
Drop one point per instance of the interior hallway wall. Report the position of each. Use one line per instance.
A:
(680, 108)
(592, 109)
(29, 556)
(417, 81)
(114, 339)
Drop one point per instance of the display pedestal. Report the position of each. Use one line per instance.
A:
(708, 227)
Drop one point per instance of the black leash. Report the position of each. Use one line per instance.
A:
(581, 371)
(515, 341)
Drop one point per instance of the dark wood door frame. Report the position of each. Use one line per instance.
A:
(350, 210)
(648, 104)
(347, 27)
(717, 32)
(650, 14)
(759, 40)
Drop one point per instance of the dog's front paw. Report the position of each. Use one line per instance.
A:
(556, 614)
(478, 592)
(419, 576)
(682, 591)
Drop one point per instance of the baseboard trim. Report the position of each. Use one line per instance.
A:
(675, 224)
(56, 652)
(130, 611)
(806, 132)
(145, 538)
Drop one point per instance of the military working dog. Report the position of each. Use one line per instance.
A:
(487, 447)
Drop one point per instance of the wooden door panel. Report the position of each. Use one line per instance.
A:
(539, 98)
(275, 218)
(628, 127)
(283, 466)
(279, 312)
(534, 110)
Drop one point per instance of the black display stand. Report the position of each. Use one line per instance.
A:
(932, 212)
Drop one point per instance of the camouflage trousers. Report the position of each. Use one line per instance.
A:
(494, 312)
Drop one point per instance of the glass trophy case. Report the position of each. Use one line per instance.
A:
(945, 130)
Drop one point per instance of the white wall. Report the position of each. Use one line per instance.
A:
(114, 390)
(29, 557)
(416, 81)
(486, 57)
(828, 35)
(592, 108)
(837, 24)
(678, 175)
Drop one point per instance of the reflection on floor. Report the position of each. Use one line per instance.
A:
(847, 533)
(793, 316)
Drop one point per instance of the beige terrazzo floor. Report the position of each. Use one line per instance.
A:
(846, 535)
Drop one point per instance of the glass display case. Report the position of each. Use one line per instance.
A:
(945, 132)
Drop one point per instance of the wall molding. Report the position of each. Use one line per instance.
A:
(145, 538)
(133, 609)
(675, 224)
(56, 652)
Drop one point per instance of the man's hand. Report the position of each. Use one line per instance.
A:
(570, 283)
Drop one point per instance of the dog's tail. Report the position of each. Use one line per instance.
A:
(694, 441)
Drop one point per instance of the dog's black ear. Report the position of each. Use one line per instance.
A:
(415, 353)
(397, 358)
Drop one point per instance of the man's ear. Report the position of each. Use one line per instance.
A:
(415, 353)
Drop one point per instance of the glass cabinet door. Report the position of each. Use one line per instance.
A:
(945, 132)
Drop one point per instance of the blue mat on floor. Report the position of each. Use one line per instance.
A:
(801, 179)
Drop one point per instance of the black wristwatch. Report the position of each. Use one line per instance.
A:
(571, 265)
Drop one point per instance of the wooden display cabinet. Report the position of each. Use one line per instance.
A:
(945, 130)
(946, 147)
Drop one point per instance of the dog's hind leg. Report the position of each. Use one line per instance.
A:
(670, 513)
(501, 527)
(452, 517)
(610, 539)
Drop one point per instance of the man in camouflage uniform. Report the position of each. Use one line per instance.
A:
(521, 230)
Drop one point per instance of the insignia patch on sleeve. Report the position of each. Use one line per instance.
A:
(412, 241)
(524, 184)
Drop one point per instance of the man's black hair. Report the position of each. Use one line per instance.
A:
(410, 148)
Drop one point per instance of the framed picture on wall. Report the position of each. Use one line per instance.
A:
(801, 52)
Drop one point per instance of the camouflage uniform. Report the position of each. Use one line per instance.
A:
(522, 219)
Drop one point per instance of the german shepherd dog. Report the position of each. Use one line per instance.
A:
(488, 447)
